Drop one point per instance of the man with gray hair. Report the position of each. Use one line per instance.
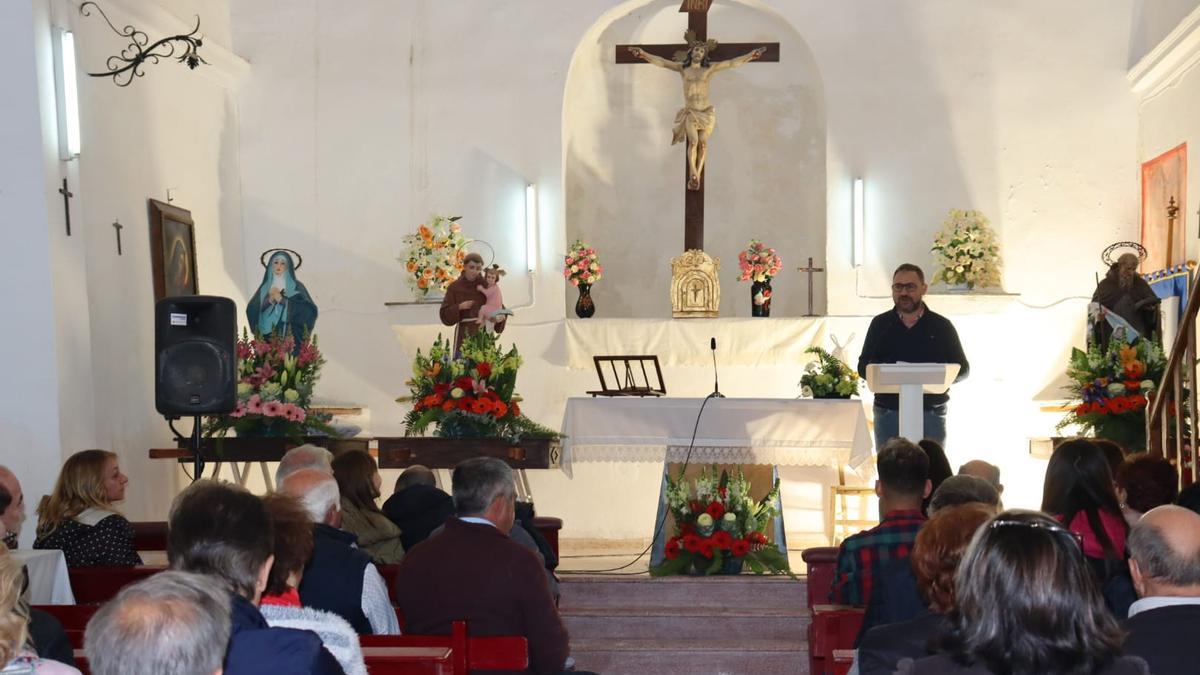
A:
(340, 578)
(474, 571)
(307, 456)
(173, 623)
(1164, 549)
(962, 489)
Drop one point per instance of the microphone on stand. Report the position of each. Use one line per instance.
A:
(712, 344)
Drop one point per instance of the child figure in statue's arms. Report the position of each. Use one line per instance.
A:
(493, 309)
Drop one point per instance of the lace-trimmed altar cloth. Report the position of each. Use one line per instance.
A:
(782, 432)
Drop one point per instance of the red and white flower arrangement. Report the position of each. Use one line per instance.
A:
(758, 262)
(581, 265)
(719, 527)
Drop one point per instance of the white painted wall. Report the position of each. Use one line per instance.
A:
(174, 128)
(29, 423)
(361, 119)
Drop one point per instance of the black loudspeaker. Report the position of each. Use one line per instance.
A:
(194, 358)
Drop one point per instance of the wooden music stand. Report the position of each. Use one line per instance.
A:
(625, 380)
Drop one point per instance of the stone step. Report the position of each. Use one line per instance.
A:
(690, 657)
(715, 592)
(733, 623)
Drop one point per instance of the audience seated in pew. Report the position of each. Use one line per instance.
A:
(79, 518)
(1144, 482)
(1026, 602)
(1189, 498)
(339, 578)
(896, 595)
(15, 653)
(935, 556)
(1164, 548)
(939, 469)
(473, 571)
(225, 533)
(358, 482)
(417, 506)
(12, 516)
(902, 486)
(168, 624)
(281, 605)
(1079, 492)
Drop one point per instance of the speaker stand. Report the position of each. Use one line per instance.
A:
(197, 457)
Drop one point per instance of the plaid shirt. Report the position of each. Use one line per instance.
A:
(861, 556)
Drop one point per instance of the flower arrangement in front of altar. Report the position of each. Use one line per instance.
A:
(827, 376)
(581, 265)
(274, 389)
(965, 251)
(719, 527)
(758, 263)
(435, 255)
(471, 396)
(1109, 388)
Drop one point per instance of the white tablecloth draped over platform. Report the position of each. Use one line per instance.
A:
(783, 432)
(740, 341)
(48, 580)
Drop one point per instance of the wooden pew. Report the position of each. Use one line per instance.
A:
(97, 585)
(549, 527)
(833, 627)
(467, 653)
(72, 617)
(150, 535)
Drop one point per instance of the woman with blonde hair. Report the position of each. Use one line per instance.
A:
(79, 518)
(15, 654)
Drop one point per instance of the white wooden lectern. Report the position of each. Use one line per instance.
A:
(911, 381)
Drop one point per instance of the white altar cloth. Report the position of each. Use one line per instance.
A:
(782, 432)
(740, 341)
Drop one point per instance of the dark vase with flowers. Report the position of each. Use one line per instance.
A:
(584, 307)
(760, 298)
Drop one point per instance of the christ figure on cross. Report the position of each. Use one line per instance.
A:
(697, 119)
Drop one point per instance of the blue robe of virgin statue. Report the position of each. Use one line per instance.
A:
(294, 314)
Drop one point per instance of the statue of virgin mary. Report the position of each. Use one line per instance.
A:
(282, 304)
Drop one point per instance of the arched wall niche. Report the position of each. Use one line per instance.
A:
(766, 172)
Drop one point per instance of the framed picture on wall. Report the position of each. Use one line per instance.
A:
(172, 251)
(1164, 178)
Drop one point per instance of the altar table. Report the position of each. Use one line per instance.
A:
(788, 432)
(779, 432)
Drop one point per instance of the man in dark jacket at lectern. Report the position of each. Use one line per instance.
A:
(910, 332)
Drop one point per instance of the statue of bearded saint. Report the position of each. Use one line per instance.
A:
(697, 119)
(1125, 293)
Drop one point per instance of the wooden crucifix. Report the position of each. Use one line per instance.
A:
(67, 194)
(697, 118)
(117, 226)
(810, 270)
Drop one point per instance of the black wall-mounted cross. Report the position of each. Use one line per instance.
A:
(67, 194)
(117, 226)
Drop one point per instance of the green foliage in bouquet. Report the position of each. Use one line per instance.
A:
(471, 396)
(275, 386)
(827, 377)
(1109, 389)
(718, 526)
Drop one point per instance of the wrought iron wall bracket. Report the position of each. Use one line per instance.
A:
(125, 66)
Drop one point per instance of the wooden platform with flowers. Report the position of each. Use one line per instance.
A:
(270, 449)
